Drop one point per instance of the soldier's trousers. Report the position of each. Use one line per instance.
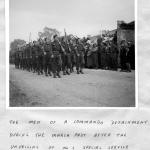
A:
(47, 64)
(73, 61)
(80, 62)
(123, 63)
(108, 61)
(68, 65)
(17, 63)
(103, 60)
(64, 62)
(56, 64)
(114, 60)
(95, 59)
(34, 64)
(99, 59)
(40, 64)
(29, 64)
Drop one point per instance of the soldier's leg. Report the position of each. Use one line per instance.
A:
(68, 64)
(63, 57)
(50, 68)
(41, 65)
(45, 65)
(38, 65)
(54, 66)
(95, 60)
(77, 64)
(82, 62)
(72, 63)
(128, 67)
(59, 63)
(31, 64)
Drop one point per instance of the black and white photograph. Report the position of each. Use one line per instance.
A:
(72, 53)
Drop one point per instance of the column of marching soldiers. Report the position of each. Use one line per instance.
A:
(50, 58)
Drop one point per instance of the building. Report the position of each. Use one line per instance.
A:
(125, 31)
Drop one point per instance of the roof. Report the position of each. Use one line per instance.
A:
(129, 26)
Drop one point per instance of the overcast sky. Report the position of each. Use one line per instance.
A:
(79, 17)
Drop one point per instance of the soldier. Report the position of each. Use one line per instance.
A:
(17, 59)
(73, 55)
(114, 55)
(56, 57)
(64, 56)
(66, 62)
(24, 58)
(95, 55)
(79, 56)
(108, 58)
(103, 55)
(99, 43)
(128, 56)
(31, 59)
(39, 54)
(123, 50)
(47, 57)
(34, 61)
(20, 59)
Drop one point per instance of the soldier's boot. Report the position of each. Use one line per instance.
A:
(72, 69)
(78, 72)
(46, 74)
(58, 75)
(38, 72)
(81, 71)
(49, 73)
(67, 72)
(64, 73)
(54, 75)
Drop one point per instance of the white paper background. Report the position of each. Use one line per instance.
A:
(139, 137)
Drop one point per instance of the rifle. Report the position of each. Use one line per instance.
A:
(61, 47)
(67, 40)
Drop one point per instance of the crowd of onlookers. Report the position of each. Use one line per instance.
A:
(107, 54)
(66, 53)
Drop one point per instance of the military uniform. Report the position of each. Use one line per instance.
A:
(56, 58)
(47, 58)
(123, 50)
(79, 58)
(73, 56)
(17, 59)
(34, 66)
(99, 42)
(29, 58)
(39, 55)
(108, 58)
(66, 58)
(114, 56)
(103, 56)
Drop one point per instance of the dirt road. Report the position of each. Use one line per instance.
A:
(95, 88)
